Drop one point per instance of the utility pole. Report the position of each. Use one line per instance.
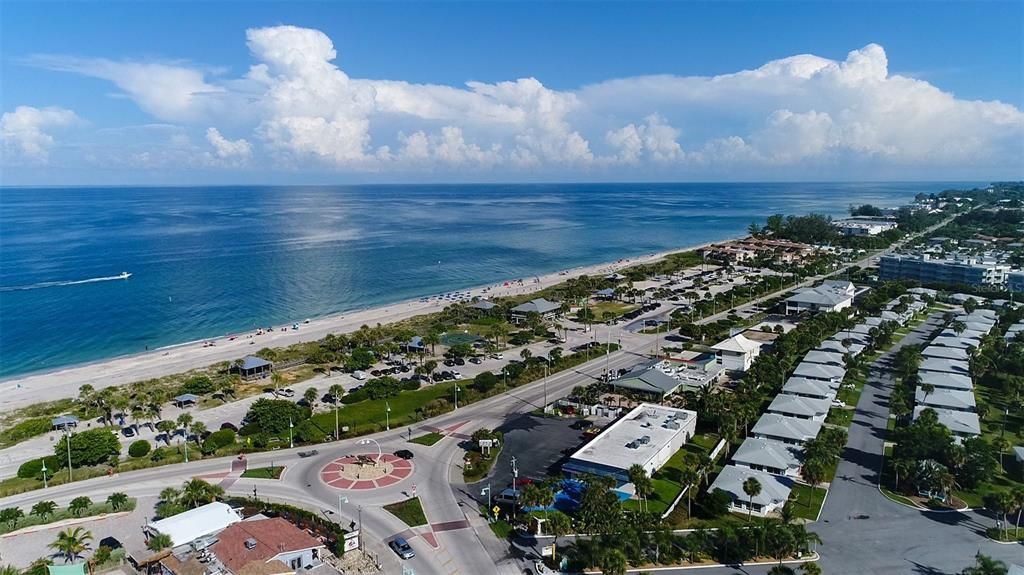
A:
(515, 494)
(387, 416)
(291, 437)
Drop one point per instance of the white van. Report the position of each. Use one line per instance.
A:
(360, 375)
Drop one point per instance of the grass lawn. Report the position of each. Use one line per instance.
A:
(409, 511)
(667, 480)
(428, 439)
(501, 528)
(368, 416)
(61, 514)
(807, 500)
(264, 472)
(897, 497)
(840, 416)
(616, 308)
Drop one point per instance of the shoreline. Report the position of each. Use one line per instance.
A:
(19, 391)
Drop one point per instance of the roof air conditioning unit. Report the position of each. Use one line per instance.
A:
(250, 543)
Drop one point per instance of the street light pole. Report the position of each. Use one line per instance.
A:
(515, 494)
(488, 490)
(360, 527)
(291, 436)
(387, 416)
(456, 396)
(67, 440)
(367, 441)
(44, 474)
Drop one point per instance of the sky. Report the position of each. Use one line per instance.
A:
(198, 93)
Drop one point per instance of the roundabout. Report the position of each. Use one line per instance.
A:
(366, 471)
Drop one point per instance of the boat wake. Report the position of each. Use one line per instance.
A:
(41, 285)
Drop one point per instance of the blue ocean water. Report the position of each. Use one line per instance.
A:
(211, 261)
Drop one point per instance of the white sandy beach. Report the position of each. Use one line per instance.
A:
(48, 386)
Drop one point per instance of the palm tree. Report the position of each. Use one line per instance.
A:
(902, 467)
(167, 427)
(781, 569)
(11, 516)
(1001, 444)
(184, 421)
(71, 543)
(946, 481)
(198, 429)
(311, 395)
(526, 354)
(43, 509)
(9, 570)
(752, 487)
(813, 472)
(79, 504)
(690, 478)
(641, 482)
(985, 565)
(159, 542)
(197, 492)
(432, 338)
(169, 494)
(811, 568)
(277, 379)
(117, 500)
(336, 391)
(613, 562)
(1018, 501)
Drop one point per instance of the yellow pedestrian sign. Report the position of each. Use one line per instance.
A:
(496, 509)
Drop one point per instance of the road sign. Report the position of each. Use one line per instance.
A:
(414, 490)
(496, 509)
(351, 540)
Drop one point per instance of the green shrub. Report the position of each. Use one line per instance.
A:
(198, 385)
(355, 397)
(139, 448)
(159, 454)
(25, 430)
(410, 385)
(217, 440)
(90, 447)
(33, 468)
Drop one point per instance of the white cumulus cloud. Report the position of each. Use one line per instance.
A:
(25, 131)
(302, 109)
(226, 149)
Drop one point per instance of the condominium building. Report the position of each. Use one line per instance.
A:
(928, 270)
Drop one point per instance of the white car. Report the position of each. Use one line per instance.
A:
(497, 356)
(541, 569)
(457, 374)
(838, 403)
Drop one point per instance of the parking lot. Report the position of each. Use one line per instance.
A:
(539, 444)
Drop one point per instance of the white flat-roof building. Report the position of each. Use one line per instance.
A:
(194, 524)
(648, 435)
(864, 227)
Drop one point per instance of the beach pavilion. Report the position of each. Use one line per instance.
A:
(64, 422)
(547, 310)
(253, 367)
(186, 400)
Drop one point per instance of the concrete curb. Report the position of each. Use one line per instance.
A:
(62, 523)
(809, 559)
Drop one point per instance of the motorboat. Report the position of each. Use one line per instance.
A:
(124, 275)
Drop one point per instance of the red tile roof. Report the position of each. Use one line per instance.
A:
(272, 537)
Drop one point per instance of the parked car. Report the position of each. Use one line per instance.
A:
(401, 547)
(497, 356)
(475, 360)
(456, 375)
(460, 361)
(360, 375)
(287, 392)
(541, 569)
(404, 454)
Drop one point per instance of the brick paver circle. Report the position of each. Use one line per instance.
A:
(363, 471)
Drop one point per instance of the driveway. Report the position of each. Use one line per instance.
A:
(889, 537)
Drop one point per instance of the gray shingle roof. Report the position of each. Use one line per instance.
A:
(792, 428)
(253, 362)
(648, 379)
(802, 406)
(825, 357)
(946, 398)
(539, 305)
(941, 379)
(959, 422)
(774, 489)
(768, 453)
(819, 371)
(944, 365)
(945, 352)
(811, 387)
